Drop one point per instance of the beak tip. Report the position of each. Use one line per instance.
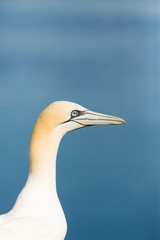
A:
(124, 122)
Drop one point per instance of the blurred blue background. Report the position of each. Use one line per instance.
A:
(104, 55)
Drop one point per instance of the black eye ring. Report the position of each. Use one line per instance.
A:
(75, 113)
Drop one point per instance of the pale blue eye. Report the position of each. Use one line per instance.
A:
(75, 113)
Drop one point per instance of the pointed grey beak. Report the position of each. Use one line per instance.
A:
(89, 118)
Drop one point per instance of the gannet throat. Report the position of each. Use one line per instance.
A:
(37, 213)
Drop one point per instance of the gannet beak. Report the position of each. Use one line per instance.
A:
(89, 118)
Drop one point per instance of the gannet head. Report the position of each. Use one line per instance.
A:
(69, 116)
(53, 123)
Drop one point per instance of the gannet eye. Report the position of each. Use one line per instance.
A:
(75, 113)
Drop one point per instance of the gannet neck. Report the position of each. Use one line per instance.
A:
(43, 149)
(39, 198)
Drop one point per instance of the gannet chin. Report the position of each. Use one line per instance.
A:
(37, 213)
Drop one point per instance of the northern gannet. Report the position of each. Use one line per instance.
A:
(37, 213)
